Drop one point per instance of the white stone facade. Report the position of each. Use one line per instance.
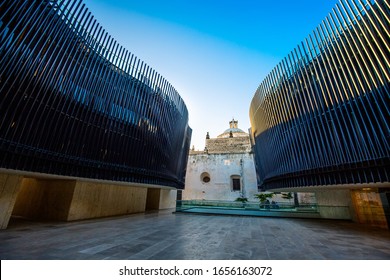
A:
(225, 170)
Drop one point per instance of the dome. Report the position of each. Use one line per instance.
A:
(233, 131)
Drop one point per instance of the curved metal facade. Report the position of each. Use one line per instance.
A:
(74, 102)
(321, 117)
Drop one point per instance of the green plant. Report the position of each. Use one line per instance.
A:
(241, 199)
(262, 197)
(287, 195)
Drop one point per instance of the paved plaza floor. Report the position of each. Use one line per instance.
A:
(169, 236)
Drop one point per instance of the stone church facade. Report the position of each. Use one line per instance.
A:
(225, 170)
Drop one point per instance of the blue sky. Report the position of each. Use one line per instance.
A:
(214, 53)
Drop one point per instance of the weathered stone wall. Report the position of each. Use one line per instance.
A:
(220, 167)
(228, 145)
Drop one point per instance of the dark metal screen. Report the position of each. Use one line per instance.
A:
(74, 102)
(321, 117)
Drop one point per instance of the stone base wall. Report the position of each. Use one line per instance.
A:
(167, 199)
(93, 200)
(39, 198)
(44, 199)
(371, 207)
(9, 189)
(71, 200)
(335, 204)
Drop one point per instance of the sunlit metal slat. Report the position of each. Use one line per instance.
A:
(93, 109)
(321, 117)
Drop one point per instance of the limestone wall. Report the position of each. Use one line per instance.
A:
(44, 199)
(220, 167)
(9, 189)
(92, 200)
(335, 204)
(153, 199)
(228, 145)
(167, 199)
(69, 200)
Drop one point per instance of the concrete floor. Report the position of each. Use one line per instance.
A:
(164, 235)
